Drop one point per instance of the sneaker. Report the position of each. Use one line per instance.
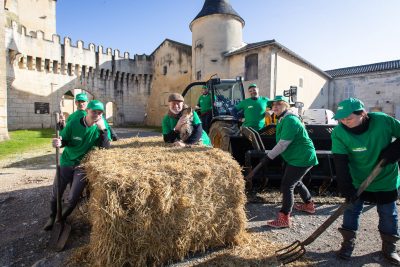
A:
(306, 207)
(282, 221)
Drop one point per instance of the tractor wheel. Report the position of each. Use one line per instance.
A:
(220, 132)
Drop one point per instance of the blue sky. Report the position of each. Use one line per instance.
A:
(329, 34)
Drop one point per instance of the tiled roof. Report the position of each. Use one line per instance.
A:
(382, 66)
(249, 47)
(211, 7)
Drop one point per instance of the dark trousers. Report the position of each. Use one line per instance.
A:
(291, 183)
(206, 121)
(69, 175)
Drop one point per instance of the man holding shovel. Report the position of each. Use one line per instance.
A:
(78, 137)
(359, 141)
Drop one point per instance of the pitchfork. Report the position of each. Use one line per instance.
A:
(297, 249)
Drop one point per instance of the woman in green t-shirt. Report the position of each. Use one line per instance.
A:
(297, 150)
(358, 143)
(173, 123)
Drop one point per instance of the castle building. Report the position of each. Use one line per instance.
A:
(40, 72)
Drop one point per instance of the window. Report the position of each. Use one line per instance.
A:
(349, 91)
(69, 69)
(38, 64)
(165, 69)
(29, 62)
(198, 75)
(55, 66)
(47, 65)
(300, 82)
(251, 67)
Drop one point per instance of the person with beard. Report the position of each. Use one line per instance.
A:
(297, 150)
(204, 104)
(253, 109)
(173, 121)
(359, 142)
(78, 138)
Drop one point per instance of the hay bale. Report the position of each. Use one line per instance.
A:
(152, 203)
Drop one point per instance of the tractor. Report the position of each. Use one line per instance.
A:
(248, 149)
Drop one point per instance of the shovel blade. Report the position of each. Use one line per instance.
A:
(290, 253)
(59, 236)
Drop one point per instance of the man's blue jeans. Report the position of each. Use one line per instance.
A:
(388, 219)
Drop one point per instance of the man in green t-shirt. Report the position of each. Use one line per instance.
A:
(204, 104)
(174, 121)
(359, 142)
(253, 108)
(81, 101)
(78, 138)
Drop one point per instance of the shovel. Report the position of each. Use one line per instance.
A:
(297, 249)
(60, 230)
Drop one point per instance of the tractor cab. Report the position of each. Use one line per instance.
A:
(225, 94)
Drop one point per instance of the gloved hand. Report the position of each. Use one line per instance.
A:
(350, 194)
(391, 153)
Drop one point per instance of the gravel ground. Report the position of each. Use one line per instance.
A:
(25, 183)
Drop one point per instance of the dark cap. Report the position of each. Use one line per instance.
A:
(175, 97)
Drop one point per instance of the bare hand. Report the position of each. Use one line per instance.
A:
(180, 123)
(100, 124)
(56, 142)
(179, 144)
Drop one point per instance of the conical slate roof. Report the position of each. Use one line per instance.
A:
(212, 7)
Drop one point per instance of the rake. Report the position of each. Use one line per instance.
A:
(297, 249)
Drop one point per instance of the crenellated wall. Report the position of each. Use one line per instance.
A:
(42, 70)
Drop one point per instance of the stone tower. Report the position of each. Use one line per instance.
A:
(217, 29)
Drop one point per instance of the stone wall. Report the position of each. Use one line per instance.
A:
(42, 71)
(378, 91)
(3, 88)
(172, 73)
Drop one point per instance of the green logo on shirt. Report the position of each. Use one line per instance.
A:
(359, 149)
(77, 138)
(250, 107)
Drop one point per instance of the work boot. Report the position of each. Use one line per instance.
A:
(50, 222)
(282, 221)
(389, 248)
(306, 207)
(349, 239)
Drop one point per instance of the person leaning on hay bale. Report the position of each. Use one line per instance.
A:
(81, 101)
(173, 123)
(78, 137)
(297, 150)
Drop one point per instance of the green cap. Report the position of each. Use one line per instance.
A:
(348, 106)
(81, 97)
(276, 99)
(252, 85)
(95, 105)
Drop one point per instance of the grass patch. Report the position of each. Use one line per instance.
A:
(26, 140)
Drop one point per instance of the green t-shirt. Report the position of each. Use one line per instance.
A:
(169, 123)
(205, 103)
(301, 151)
(254, 112)
(80, 140)
(78, 114)
(364, 149)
